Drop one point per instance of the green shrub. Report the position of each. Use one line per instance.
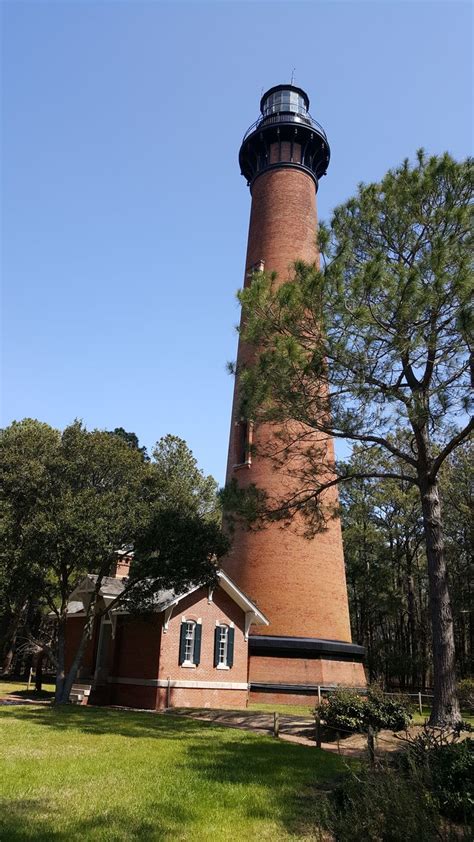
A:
(386, 712)
(448, 768)
(466, 694)
(452, 773)
(343, 710)
(382, 805)
(346, 710)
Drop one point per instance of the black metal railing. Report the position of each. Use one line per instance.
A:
(286, 117)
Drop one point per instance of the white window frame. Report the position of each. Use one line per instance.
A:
(189, 662)
(223, 664)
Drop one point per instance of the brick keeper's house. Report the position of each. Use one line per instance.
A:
(191, 652)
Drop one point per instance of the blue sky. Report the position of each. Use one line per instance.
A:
(124, 215)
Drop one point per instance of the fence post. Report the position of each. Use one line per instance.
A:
(276, 724)
(371, 745)
(420, 705)
(317, 719)
(29, 678)
(319, 695)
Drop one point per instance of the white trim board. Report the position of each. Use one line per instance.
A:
(181, 684)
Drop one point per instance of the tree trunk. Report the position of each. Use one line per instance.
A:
(12, 636)
(445, 709)
(413, 645)
(71, 675)
(39, 672)
(60, 672)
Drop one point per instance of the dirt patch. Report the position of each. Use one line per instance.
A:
(299, 729)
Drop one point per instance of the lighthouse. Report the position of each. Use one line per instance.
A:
(297, 582)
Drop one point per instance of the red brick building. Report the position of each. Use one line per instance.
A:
(191, 651)
(173, 657)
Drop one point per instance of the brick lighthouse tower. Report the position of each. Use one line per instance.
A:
(298, 583)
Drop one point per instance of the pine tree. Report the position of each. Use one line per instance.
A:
(376, 343)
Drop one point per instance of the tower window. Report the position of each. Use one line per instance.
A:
(243, 442)
(259, 266)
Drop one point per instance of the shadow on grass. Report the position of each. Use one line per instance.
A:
(38, 819)
(32, 694)
(103, 721)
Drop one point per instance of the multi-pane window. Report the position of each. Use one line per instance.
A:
(189, 642)
(223, 645)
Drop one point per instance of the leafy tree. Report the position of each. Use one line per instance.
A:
(386, 572)
(20, 583)
(457, 490)
(376, 341)
(131, 439)
(179, 477)
(70, 500)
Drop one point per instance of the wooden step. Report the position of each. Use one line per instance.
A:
(82, 688)
(76, 698)
(80, 693)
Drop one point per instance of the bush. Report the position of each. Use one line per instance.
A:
(381, 804)
(452, 774)
(413, 797)
(448, 769)
(385, 712)
(346, 710)
(466, 693)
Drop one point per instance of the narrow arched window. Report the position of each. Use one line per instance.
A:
(223, 646)
(190, 643)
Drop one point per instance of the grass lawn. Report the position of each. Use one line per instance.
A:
(79, 773)
(419, 719)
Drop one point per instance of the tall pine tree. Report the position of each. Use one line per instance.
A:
(377, 340)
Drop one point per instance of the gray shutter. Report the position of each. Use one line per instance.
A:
(230, 647)
(216, 645)
(197, 643)
(182, 643)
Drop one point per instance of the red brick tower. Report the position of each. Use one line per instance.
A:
(298, 583)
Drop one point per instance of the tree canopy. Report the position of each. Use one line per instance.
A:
(70, 500)
(387, 573)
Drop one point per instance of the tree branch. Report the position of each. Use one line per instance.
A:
(449, 448)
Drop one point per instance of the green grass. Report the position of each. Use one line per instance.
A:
(419, 719)
(20, 689)
(79, 773)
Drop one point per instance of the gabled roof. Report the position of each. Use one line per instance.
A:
(111, 588)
